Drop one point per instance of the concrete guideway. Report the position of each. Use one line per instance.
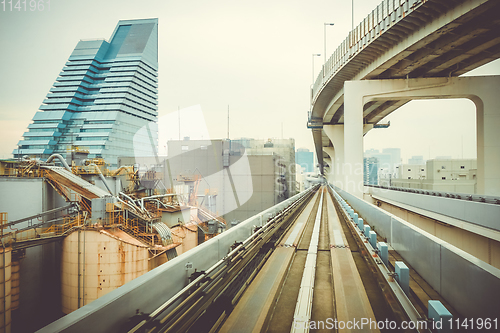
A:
(351, 299)
(260, 297)
(276, 300)
(250, 279)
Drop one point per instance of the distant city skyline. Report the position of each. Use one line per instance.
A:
(253, 57)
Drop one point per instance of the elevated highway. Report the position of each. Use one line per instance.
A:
(409, 40)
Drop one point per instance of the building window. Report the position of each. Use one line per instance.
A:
(184, 147)
(444, 178)
(422, 170)
(443, 167)
(409, 169)
(462, 167)
(409, 177)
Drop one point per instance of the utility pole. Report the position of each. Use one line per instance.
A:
(228, 122)
(179, 118)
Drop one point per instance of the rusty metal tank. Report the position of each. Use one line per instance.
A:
(5, 289)
(97, 261)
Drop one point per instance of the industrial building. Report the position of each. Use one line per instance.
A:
(446, 175)
(87, 227)
(106, 92)
(84, 231)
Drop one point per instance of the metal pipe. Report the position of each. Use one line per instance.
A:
(61, 159)
(102, 178)
(130, 199)
(126, 203)
(160, 196)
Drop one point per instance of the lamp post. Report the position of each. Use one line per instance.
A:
(352, 14)
(314, 55)
(324, 35)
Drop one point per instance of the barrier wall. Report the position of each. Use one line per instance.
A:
(470, 285)
(479, 213)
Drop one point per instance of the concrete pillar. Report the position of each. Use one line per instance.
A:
(482, 90)
(336, 135)
(488, 137)
(353, 139)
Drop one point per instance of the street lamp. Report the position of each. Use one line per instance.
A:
(324, 35)
(352, 14)
(314, 55)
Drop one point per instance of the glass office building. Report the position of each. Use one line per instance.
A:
(106, 92)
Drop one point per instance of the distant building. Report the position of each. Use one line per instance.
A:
(411, 171)
(385, 177)
(416, 160)
(388, 158)
(395, 156)
(285, 149)
(370, 174)
(237, 178)
(106, 92)
(305, 159)
(372, 151)
(450, 169)
(447, 175)
(300, 178)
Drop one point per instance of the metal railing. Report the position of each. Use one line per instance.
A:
(461, 196)
(385, 15)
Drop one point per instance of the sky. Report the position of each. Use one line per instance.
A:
(251, 57)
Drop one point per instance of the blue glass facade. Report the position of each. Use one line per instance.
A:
(305, 159)
(370, 174)
(106, 92)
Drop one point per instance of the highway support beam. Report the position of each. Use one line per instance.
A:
(336, 135)
(483, 91)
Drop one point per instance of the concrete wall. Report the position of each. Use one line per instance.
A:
(470, 285)
(482, 214)
(483, 248)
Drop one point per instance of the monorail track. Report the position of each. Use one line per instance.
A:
(304, 269)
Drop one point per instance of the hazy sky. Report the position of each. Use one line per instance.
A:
(255, 56)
